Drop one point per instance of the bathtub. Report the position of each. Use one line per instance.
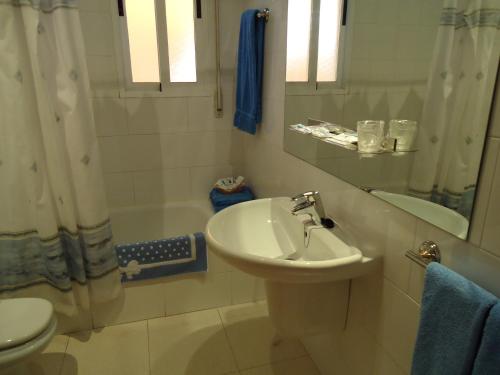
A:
(145, 223)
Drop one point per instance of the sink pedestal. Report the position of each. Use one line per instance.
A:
(299, 310)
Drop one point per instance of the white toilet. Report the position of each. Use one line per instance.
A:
(26, 327)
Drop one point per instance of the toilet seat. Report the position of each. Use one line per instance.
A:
(26, 327)
(22, 319)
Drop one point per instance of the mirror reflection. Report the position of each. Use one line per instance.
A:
(394, 97)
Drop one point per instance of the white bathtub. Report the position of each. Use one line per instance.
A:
(145, 223)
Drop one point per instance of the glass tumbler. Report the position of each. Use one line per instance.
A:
(370, 135)
(405, 132)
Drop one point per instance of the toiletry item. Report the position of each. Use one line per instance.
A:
(230, 185)
(405, 132)
(301, 128)
(345, 140)
(321, 132)
(370, 135)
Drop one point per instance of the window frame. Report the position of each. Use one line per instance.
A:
(202, 29)
(312, 86)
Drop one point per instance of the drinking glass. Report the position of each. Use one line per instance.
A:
(405, 132)
(370, 135)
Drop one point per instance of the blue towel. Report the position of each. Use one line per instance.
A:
(159, 258)
(453, 314)
(488, 357)
(250, 72)
(220, 200)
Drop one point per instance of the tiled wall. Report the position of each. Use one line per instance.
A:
(153, 149)
(385, 307)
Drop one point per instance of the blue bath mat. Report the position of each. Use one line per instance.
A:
(159, 258)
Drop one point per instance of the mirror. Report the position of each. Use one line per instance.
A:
(426, 62)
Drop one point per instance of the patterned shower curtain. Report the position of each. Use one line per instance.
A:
(457, 104)
(55, 234)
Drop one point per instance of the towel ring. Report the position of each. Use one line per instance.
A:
(427, 252)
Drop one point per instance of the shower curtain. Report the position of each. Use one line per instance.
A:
(457, 105)
(55, 234)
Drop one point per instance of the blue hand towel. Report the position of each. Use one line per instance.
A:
(221, 200)
(488, 357)
(452, 318)
(250, 72)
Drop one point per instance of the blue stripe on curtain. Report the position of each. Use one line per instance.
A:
(27, 259)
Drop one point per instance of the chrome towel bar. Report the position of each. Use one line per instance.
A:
(427, 252)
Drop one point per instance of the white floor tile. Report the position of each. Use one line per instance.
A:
(190, 344)
(299, 366)
(252, 337)
(120, 350)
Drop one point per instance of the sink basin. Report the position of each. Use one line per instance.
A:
(257, 237)
(442, 217)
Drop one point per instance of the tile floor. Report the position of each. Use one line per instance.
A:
(226, 341)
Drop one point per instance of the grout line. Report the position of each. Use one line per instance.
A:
(228, 340)
(147, 345)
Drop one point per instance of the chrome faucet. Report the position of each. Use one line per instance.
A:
(310, 203)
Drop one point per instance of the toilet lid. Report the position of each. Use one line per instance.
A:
(22, 319)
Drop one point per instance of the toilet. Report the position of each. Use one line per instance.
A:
(26, 327)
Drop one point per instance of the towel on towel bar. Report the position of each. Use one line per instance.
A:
(453, 315)
(488, 357)
(250, 72)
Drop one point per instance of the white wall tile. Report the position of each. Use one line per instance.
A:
(157, 115)
(484, 192)
(130, 153)
(416, 288)
(202, 117)
(103, 73)
(196, 149)
(161, 186)
(491, 232)
(203, 179)
(98, 33)
(119, 189)
(400, 238)
(139, 301)
(110, 116)
(399, 329)
(385, 365)
(196, 292)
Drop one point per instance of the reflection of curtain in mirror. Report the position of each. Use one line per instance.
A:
(55, 235)
(455, 115)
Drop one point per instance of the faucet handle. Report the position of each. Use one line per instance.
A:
(305, 196)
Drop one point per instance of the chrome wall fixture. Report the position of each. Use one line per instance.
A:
(264, 13)
(427, 252)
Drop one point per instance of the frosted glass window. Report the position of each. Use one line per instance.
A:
(298, 36)
(141, 25)
(328, 40)
(181, 46)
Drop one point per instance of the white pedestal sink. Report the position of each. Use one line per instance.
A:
(305, 295)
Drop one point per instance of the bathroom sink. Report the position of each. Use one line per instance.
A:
(440, 216)
(265, 239)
